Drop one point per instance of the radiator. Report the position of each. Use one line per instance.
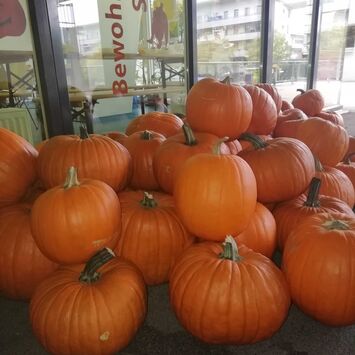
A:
(17, 120)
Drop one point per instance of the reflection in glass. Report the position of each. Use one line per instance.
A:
(291, 46)
(228, 40)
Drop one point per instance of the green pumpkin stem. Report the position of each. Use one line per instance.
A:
(217, 147)
(336, 224)
(256, 141)
(226, 80)
(148, 201)
(146, 135)
(90, 273)
(71, 179)
(83, 133)
(189, 135)
(230, 250)
(313, 193)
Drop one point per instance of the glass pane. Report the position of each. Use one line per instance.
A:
(20, 102)
(122, 59)
(228, 40)
(291, 46)
(336, 68)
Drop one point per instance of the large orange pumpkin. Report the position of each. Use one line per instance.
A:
(142, 146)
(283, 167)
(220, 108)
(289, 214)
(152, 236)
(263, 120)
(73, 221)
(311, 102)
(96, 157)
(320, 136)
(319, 265)
(93, 310)
(215, 195)
(274, 93)
(176, 149)
(22, 265)
(166, 124)
(228, 296)
(17, 166)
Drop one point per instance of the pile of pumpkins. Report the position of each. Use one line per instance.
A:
(202, 202)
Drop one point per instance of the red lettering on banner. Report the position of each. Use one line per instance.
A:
(138, 4)
(119, 87)
(117, 50)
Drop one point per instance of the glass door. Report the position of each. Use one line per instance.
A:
(335, 73)
(122, 59)
(20, 99)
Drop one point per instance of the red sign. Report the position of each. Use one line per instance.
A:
(12, 18)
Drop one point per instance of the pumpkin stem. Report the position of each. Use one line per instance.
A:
(318, 164)
(148, 200)
(313, 193)
(336, 224)
(90, 273)
(230, 250)
(347, 159)
(71, 179)
(189, 135)
(301, 91)
(217, 147)
(83, 133)
(226, 80)
(146, 135)
(256, 141)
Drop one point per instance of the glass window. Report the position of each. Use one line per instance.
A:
(233, 48)
(336, 69)
(122, 59)
(291, 46)
(20, 99)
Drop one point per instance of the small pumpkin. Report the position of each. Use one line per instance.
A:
(224, 294)
(332, 116)
(311, 102)
(166, 124)
(286, 105)
(152, 236)
(106, 301)
(116, 136)
(348, 168)
(80, 219)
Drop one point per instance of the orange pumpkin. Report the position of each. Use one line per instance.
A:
(215, 195)
(311, 102)
(142, 147)
(223, 294)
(319, 265)
(106, 301)
(263, 120)
(332, 116)
(166, 124)
(18, 166)
(320, 136)
(116, 136)
(260, 234)
(288, 122)
(96, 157)
(219, 108)
(274, 93)
(348, 168)
(286, 105)
(275, 164)
(171, 155)
(80, 219)
(289, 214)
(152, 236)
(22, 265)
(351, 148)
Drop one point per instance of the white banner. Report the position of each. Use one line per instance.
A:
(15, 32)
(119, 23)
